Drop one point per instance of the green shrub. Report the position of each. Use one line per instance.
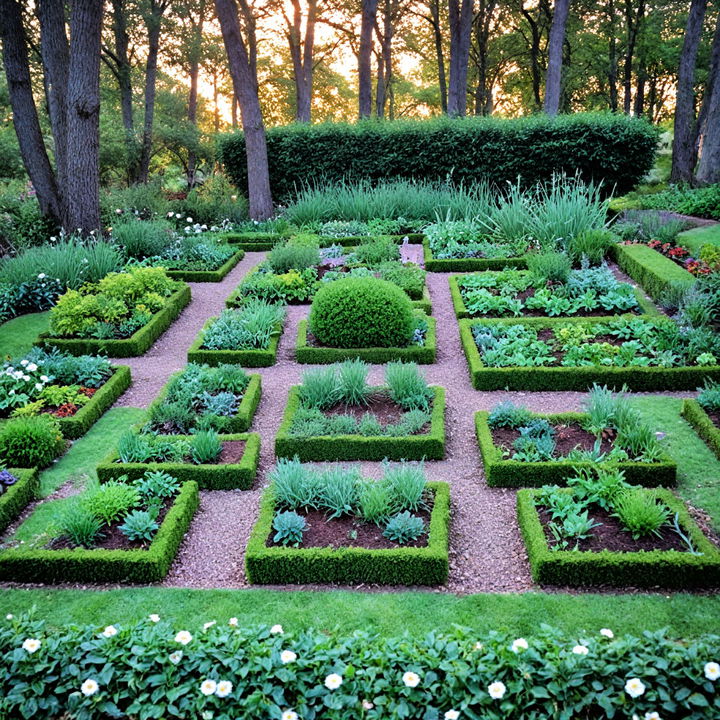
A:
(407, 386)
(139, 525)
(361, 313)
(640, 513)
(206, 447)
(404, 528)
(289, 528)
(549, 267)
(80, 525)
(141, 239)
(377, 251)
(29, 442)
(591, 244)
(288, 256)
(109, 501)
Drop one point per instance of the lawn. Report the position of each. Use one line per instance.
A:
(694, 239)
(18, 335)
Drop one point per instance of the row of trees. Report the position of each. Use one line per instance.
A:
(66, 62)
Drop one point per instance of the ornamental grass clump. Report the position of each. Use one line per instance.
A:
(249, 328)
(641, 513)
(30, 442)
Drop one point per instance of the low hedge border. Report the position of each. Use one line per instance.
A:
(669, 568)
(430, 446)
(208, 275)
(18, 496)
(246, 358)
(422, 354)
(652, 270)
(261, 242)
(105, 566)
(239, 422)
(77, 425)
(639, 379)
(137, 344)
(425, 303)
(696, 416)
(237, 476)
(397, 566)
(500, 472)
(468, 264)
(461, 311)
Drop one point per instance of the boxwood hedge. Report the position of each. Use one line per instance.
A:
(261, 242)
(468, 264)
(500, 472)
(246, 358)
(351, 565)
(18, 496)
(208, 275)
(98, 565)
(694, 413)
(663, 568)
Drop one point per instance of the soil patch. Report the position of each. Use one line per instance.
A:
(567, 438)
(380, 405)
(232, 452)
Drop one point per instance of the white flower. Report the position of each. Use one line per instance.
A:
(171, 214)
(24, 362)
(452, 715)
(233, 622)
(333, 681)
(42, 276)
(118, 211)
(175, 657)
(154, 618)
(478, 646)
(276, 630)
(208, 687)
(411, 679)
(30, 645)
(178, 215)
(287, 656)
(519, 644)
(89, 687)
(183, 637)
(496, 690)
(634, 687)
(9, 616)
(606, 632)
(367, 705)
(32, 367)
(208, 625)
(188, 219)
(224, 688)
(110, 631)
(580, 650)
(289, 715)
(39, 386)
(652, 716)
(712, 671)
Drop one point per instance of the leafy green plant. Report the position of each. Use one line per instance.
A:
(80, 526)
(709, 396)
(404, 528)
(406, 483)
(287, 256)
(110, 500)
(338, 491)
(407, 386)
(375, 502)
(250, 328)
(600, 486)
(289, 528)
(352, 386)
(590, 244)
(30, 441)
(550, 267)
(373, 252)
(157, 484)
(142, 239)
(296, 486)
(640, 513)
(507, 414)
(320, 387)
(206, 447)
(133, 448)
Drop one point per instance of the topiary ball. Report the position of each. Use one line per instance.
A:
(361, 313)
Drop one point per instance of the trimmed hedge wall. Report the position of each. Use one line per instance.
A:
(695, 414)
(640, 379)
(77, 425)
(430, 446)
(668, 568)
(261, 242)
(614, 150)
(18, 496)
(107, 566)
(652, 270)
(239, 422)
(208, 275)
(137, 344)
(500, 472)
(461, 311)
(351, 565)
(422, 354)
(469, 264)
(246, 358)
(237, 476)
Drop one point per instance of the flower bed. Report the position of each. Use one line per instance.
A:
(345, 548)
(261, 242)
(247, 337)
(330, 417)
(136, 562)
(16, 496)
(214, 275)
(223, 397)
(680, 556)
(708, 428)
(514, 293)
(76, 390)
(573, 354)
(468, 264)
(235, 468)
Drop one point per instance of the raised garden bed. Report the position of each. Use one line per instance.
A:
(107, 564)
(17, 496)
(268, 563)
(470, 264)
(261, 242)
(208, 275)
(503, 471)
(613, 558)
(236, 468)
(706, 424)
(137, 344)
(537, 341)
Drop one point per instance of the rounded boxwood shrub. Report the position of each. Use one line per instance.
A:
(30, 442)
(361, 313)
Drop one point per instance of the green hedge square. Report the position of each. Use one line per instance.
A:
(500, 472)
(246, 358)
(430, 446)
(208, 275)
(468, 264)
(18, 496)
(397, 566)
(695, 414)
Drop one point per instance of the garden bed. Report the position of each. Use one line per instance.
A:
(542, 343)
(208, 275)
(137, 344)
(706, 424)
(236, 468)
(16, 497)
(501, 471)
(433, 264)
(663, 563)
(261, 242)
(246, 358)
(266, 563)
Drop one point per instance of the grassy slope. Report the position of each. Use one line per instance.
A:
(17, 335)
(696, 238)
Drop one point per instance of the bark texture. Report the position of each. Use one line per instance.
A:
(367, 28)
(553, 79)
(460, 13)
(708, 168)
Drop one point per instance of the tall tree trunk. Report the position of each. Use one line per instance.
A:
(633, 21)
(684, 131)
(434, 6)
(25, 117)
(461, 17)
(482, 24)
(83, 113)
(612, 57)
(234, 111)
(216, 105)
(553, 80)
(708, 167)
(246, 88)
(385, 63)
(535, 38)
(302, 55)
(639, 104)
(367, 27)
(196, 53)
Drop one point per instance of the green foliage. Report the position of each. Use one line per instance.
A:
(375, 502)
(319, 387)
(157, 484)
(700, 202)
(406, 483)
(507, 414)
(404, 528)
(30, 442)
(375, 251)
(138, 200)
(549, 267)
(214, 202)
(110, 501)
(295, 485)
(361, 313)
(590, 244)
(250, 328)
(407, 386)
(709, 396)
(289, 528)
(338, 491)
(352, 385)
(142, 239)
(80, 525)
(206, 447)
(640, 513)
(139, 525)
(288, 256)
